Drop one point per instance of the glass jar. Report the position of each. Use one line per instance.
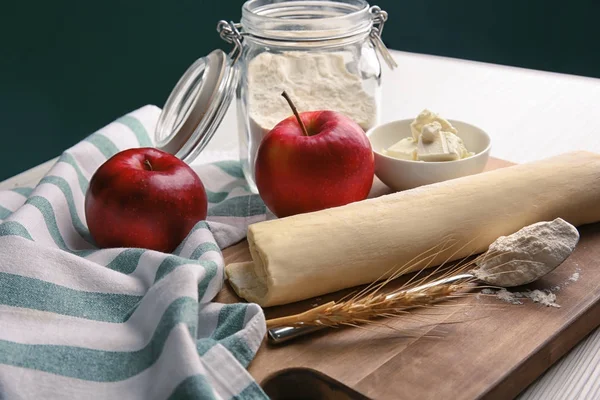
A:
(323, 53)
(320, 52)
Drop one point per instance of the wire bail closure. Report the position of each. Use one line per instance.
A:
(230, 32)
(379, 17)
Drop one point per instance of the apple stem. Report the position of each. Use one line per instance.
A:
(295, 111)
(147, 162)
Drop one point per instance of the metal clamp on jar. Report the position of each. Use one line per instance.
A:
(322, 53)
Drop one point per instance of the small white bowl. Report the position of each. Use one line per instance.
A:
(407, 174)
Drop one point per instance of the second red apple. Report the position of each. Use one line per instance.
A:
(144, 198)
(312, 161)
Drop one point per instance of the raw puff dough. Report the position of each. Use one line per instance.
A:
(308, 255)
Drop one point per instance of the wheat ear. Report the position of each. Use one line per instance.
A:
(370, 304)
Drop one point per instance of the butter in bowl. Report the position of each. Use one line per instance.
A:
(428, 149)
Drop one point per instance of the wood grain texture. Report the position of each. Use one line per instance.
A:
(478, 347)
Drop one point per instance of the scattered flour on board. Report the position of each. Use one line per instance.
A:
(508, 297)
(574, 277)
(544, 297)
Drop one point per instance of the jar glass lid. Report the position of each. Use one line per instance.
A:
(196, 106)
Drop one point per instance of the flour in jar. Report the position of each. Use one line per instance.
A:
(314, 81)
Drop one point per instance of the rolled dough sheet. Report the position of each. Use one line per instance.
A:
(311, 254)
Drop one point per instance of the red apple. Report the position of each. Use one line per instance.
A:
(144, 198)
(312, 161)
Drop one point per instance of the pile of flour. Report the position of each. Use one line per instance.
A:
(314, 81)
(544, 297)
(527, 254)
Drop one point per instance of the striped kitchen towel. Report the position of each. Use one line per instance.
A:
(79, 322)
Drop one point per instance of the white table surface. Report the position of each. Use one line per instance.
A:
(529, 114)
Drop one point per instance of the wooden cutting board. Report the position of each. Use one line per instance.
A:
(478, 347)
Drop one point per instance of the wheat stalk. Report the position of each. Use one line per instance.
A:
(369, 304)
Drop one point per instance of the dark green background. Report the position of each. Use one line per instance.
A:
(69, 67)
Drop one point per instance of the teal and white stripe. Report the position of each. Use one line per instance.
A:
(81, 322)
